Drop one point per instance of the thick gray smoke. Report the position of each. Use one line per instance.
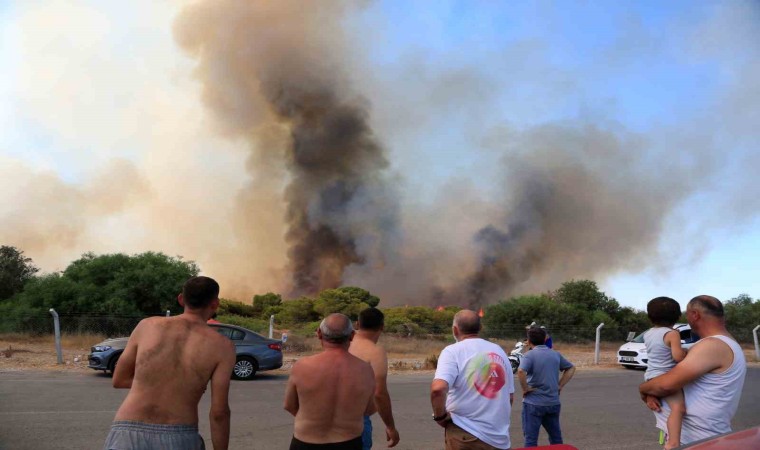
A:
(280, 63)
(581, 201)
(585, 198)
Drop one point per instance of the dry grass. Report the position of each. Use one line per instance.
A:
(404, 347)
(73, 341)
(300, 344)
(24, 352)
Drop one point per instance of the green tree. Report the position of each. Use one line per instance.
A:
(263, 303)
(586, 294)
(15, 271)
(742, 315)
(297, 311)
(419, 320)
(143, 284)
(630, 319)
(360, 295)
(347, 300)
(236, 308)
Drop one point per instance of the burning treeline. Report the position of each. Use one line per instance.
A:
(574, 200)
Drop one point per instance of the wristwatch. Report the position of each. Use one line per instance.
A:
(439, 418)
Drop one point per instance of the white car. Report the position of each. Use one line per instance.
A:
(633, 354)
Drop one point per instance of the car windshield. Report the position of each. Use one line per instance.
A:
(638, 339)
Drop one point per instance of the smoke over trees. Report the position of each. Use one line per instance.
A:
(293, 146)
(269, 63)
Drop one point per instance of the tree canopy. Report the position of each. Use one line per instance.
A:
(143, 284)
(15, 271)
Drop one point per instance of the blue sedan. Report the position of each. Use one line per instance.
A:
(254, 352)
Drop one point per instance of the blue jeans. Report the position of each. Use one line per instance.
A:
(534, 416)
(367, 433)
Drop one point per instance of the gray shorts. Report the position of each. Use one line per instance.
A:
(125, 435)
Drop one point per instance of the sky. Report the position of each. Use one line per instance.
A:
(108, 142)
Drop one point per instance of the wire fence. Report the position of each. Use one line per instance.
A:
(100, 324)
(111, 325)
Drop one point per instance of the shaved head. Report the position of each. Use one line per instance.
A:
(467, 321)
(707, 304)
(336, 328)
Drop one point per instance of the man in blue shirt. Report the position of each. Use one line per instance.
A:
(541, 385)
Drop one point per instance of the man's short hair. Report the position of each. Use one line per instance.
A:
(536, 336)
(663, 311)
(467, 321)
(708, 305)
(199, 292)
(336, 331)
(371, 319)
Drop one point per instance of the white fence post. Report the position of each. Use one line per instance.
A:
(757, 345)
(168, 313)
(57, 328)
(271, 326)
(598, 338)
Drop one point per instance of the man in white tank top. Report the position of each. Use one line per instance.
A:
(711, 376)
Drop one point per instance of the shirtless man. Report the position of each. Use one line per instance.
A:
(330, 393)
(166, 366)
(711, 376)
(364, 346)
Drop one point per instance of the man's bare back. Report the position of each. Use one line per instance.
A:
(375, 355)
(173, 360)
(330, 393)
(365, 347)
(334, 391)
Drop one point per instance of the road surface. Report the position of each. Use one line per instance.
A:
(600, 410)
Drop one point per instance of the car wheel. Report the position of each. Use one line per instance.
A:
(245, 368)
(112, 363)
(514, 364)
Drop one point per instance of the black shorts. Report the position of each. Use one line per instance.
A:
(353, 444)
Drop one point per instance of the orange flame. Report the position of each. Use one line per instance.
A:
(480, 313)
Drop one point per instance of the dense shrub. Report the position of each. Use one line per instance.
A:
(257, 325)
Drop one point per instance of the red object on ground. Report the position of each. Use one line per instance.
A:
(739, 440)
(551, 447)
(212, 321)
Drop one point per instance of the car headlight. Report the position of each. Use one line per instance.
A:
(101, 348)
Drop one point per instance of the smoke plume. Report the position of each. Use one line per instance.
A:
(279, 63)
(292, 146)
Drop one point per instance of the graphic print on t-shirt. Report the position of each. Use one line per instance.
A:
(486, 374)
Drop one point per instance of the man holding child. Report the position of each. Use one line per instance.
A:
(711, 376)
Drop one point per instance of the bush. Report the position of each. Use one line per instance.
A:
(416, 320)
(258, 325)
(236, 308)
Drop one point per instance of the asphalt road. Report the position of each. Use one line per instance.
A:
(600, 410)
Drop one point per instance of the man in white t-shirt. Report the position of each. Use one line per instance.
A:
(473, 389)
